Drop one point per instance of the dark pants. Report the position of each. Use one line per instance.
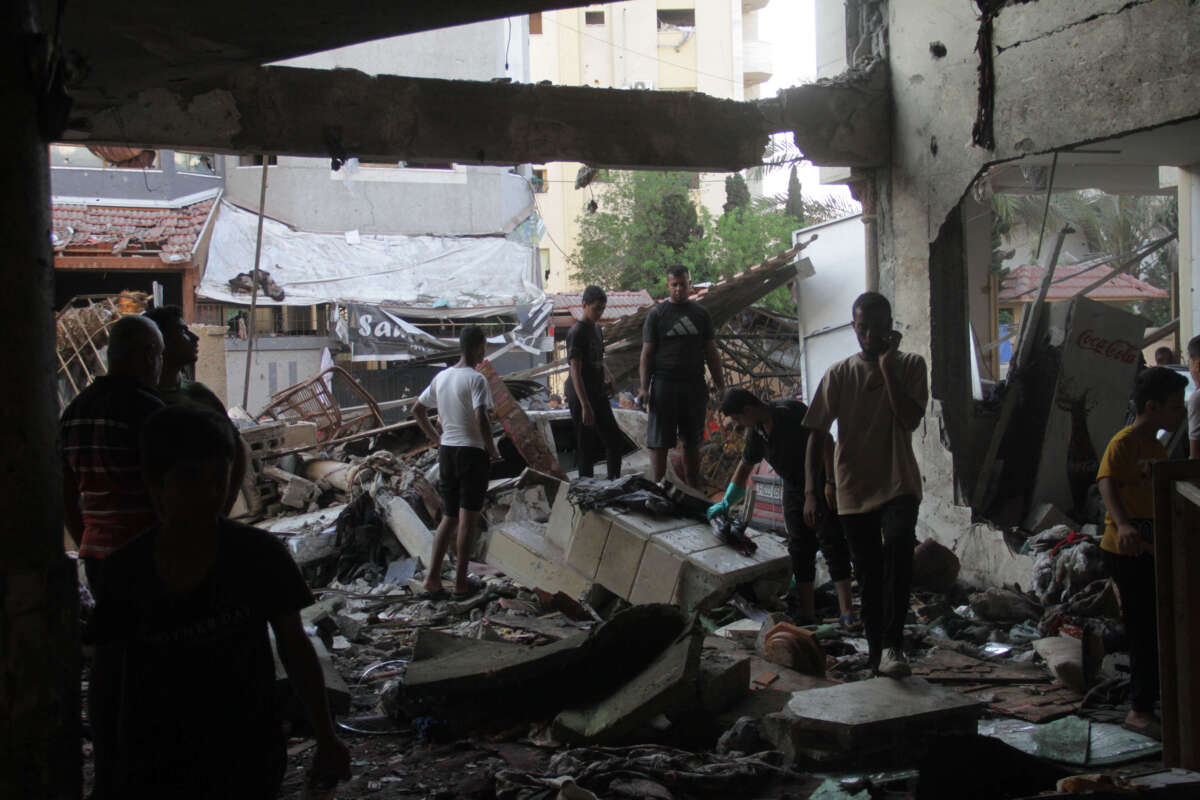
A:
(588, 440)
(104, 691)
(1134, 576)
(803, 540)
(881, 544)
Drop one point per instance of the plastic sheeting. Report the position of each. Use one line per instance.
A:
(436, 276)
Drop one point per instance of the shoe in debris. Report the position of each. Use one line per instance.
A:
(893, 664)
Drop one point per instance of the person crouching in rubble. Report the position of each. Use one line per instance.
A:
(776, 432)
(465, 451)
(877, 397)
(589, 387)
(1128, 542)
(190, 602)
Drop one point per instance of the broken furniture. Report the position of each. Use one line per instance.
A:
(81, 332)
(1176, 549)
(315, 400)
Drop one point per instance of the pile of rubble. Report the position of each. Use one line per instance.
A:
(622, 646)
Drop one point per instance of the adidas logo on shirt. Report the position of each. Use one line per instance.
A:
(684, 327)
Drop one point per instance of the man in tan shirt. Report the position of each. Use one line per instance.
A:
(877, 397)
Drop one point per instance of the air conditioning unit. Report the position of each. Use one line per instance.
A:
(643, 85)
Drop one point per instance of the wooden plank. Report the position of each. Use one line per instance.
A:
(1176, 557)
(528, 440)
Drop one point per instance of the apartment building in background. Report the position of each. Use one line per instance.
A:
(709, 46)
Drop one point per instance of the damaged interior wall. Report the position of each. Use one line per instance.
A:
(1064, 74)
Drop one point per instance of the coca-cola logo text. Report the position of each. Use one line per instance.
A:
(1116, 349)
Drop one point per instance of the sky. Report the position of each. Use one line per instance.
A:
(790, 26)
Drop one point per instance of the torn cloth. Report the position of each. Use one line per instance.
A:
(612, 771)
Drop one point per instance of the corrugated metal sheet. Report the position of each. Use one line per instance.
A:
(1022, 283)
(620, 304)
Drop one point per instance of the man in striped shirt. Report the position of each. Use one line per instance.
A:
(105, 501)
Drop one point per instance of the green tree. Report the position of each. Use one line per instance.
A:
(737, 193)
(646, 222)
(794, 206)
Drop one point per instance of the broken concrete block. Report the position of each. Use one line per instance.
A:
(868, 717)
(657, 575)
(522, 552)
(1044, 516)
(643, 525)
(619, 563)
(687, 540)
(409, 529)
(743, 630)
(723, 680)
(299, 434)
(335, 688)
(711, 575)
(563, 519)
(528, 504)
(744, 736)
(1064, 658)
(443, 664)
(329, 474)
(1004, 605)
(988, 560)
(795, 648)
(667, 683)
(587, 544)
(935, 567)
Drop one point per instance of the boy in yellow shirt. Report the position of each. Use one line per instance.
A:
(1128, 493)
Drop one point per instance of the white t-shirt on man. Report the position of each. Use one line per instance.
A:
(456, 392)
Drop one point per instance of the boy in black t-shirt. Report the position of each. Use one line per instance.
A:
(776, 432)
(589, 387)
(188, 604)
(677, 340)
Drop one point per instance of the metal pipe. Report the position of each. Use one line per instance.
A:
(262, 203)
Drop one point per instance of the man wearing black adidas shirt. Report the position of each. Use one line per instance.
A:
(677, 340)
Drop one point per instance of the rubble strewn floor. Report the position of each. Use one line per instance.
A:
(560, 679)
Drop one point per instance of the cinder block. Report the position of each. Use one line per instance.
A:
(521, 551)
(644, 524)
(711, 574)
(686, 541)
(771, 546)
(657, 576)
(587, 543)
(620, 561)
(563, 519)
(299, 434)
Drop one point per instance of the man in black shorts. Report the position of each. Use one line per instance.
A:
(465, 447)
(677, 340)
(776, 432)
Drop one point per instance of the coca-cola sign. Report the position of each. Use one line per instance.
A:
(1116, 349)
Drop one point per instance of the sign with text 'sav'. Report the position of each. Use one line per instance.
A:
(377, 334)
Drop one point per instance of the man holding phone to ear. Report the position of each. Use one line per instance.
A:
(877, 397)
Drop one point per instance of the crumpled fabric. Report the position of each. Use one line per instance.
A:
(631, 492)
(1065, 562)
(615, 771)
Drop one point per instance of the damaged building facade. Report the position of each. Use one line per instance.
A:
(1107, 87)
(970, 88)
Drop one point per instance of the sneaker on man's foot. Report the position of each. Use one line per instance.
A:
(893, 664)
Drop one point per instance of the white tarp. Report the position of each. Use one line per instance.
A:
(441, 275)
